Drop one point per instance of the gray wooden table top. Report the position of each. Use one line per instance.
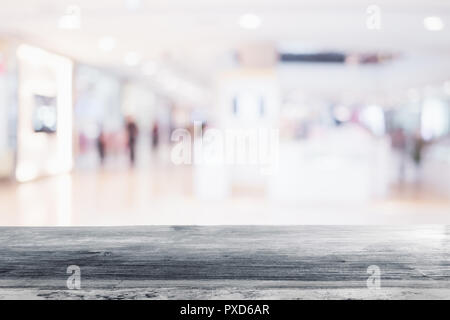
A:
(226, 262)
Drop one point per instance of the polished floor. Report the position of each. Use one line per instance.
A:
(165, 195)
(228, 262)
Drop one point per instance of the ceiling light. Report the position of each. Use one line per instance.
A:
(132, 59)
(433, 23)
(107, 43)
(250, 21)
(133, 5)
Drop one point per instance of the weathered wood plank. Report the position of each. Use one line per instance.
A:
(249, 259)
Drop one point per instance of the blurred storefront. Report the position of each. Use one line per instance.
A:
(300, 108)
(44, 116)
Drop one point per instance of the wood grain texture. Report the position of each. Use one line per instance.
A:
(226, 262)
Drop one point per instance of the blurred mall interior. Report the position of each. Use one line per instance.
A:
(355, 97)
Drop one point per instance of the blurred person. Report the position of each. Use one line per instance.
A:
(204, 126)
(155, 135)
(101, 146)
(418, 145)
(398, 143)
(132, 133)
(83, 143)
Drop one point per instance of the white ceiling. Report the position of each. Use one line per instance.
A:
(197, 34)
